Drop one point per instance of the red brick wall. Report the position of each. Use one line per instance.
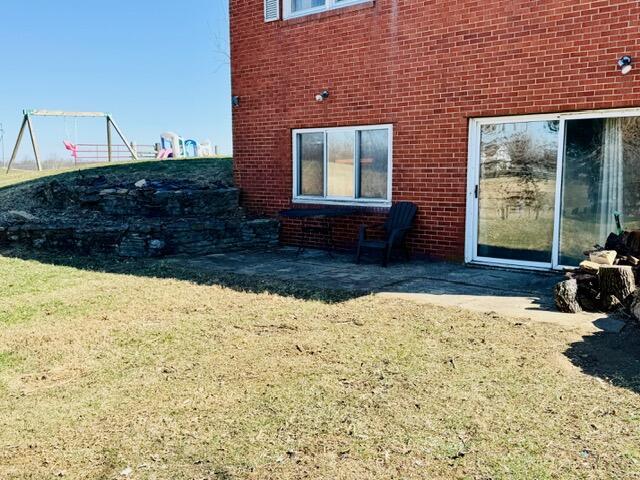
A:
(426, 67)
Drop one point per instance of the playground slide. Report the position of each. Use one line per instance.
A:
(173, 142)
(164, 154)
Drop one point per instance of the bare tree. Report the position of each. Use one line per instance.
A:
(220, 41)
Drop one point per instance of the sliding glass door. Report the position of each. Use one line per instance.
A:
(516, 191)
(543, 189)
(601, 181)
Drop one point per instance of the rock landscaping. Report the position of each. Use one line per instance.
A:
(606, 281)
(138, 218)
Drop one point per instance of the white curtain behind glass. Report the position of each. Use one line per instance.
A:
(299, 5)
(611, 176)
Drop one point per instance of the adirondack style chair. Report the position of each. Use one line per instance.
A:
(394, 229)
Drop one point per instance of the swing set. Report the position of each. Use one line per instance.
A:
(27, 124)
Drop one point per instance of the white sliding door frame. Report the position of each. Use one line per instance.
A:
(557, 212)
(473, 182)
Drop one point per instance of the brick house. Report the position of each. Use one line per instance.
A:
(511, 124)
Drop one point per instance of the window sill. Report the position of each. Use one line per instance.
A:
(309, 17)
(346, 203)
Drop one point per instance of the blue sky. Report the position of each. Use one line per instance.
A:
(155, 65)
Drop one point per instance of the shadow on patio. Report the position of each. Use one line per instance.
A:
(512, 293)
(316, 275)
(187, 269)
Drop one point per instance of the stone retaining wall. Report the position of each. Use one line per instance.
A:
(145, 219)
(145, 239)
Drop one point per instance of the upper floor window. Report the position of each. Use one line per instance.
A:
(297, 8)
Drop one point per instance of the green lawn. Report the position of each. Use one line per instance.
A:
(16, 175)
(224, 378)
(175, 374)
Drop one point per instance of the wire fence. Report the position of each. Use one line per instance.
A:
(87, 154)
(99, 152)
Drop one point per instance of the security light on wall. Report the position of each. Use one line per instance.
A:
(626, 64)
(321, 97)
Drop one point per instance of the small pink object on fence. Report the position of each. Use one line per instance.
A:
(72, 148)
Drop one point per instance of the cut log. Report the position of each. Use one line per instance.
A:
(588, 297)
(617, 243)
(603, 257)
(610, 303)
(635, 306)
(633, 260)
(618, 281)
(565, 294)
(632, 242)
(613, 241)
(589, 267)
(583, 277)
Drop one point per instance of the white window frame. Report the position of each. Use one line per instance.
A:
(473, 181)
(372, 202)
(329, 5)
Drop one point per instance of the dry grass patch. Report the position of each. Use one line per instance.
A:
(181, 379)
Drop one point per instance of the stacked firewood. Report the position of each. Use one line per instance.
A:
(606, 280)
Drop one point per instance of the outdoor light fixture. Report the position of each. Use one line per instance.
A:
(321, 97)
(626, 64)
(235, 101)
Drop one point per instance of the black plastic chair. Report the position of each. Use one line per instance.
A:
(398, 224)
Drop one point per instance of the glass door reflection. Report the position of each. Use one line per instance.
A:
(516, 194)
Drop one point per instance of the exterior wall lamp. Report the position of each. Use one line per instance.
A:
(625, 64)
(321, 97)
(235, 101)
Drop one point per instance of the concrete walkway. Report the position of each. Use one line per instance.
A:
(506, 292)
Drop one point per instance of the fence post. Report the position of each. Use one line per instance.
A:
(109, 153)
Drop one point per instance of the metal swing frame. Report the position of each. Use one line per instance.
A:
(27, 123)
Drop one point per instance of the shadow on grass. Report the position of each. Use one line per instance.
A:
(611, 357)
(17, 192)
(159, 268)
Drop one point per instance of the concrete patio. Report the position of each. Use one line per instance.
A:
(506, 292)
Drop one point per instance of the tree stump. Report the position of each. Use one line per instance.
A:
(565, 294)
(618, 281)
